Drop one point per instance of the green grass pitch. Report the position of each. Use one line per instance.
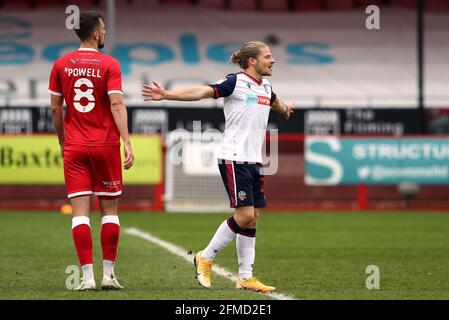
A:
(305, 255)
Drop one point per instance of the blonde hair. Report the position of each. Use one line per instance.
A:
(250, 49)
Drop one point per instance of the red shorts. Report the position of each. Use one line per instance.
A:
(92, 170)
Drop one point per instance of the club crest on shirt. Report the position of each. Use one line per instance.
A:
(248, 85)
(242, 195)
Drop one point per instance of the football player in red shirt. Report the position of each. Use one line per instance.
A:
(89, 134)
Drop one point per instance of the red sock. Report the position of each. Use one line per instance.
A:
(110, 234)
(82, 238)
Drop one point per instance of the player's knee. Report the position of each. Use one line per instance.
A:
(250, 215)
(256, 215)
(246, 215)
(253, 223)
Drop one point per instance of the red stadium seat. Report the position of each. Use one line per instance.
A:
(411, 4)
(307, 5)
(339, 5)
(84, 4)
(10, 5)
(176, 2)
(429, 5)
(366, 3)
(144, 4)
(48, 3)
(273, 5)
(212, 4)
(242, 5)
(436, 5)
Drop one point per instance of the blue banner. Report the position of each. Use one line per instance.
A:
(344, 160)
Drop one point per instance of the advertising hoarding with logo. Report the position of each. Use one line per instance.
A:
(350, 160)
(36, 159)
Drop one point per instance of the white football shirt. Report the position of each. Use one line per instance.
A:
(247, 104)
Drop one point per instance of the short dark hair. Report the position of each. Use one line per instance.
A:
(89, 21)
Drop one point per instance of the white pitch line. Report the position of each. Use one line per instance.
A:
(182, 253)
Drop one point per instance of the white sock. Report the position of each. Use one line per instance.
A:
(246, 253)
(76, 221)
(108, 268)
(88, 271)
(222, 237)
(110, 219)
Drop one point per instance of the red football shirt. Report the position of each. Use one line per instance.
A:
(85, 78)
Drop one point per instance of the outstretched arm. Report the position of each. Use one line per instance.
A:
(285, 109)
(156, 92)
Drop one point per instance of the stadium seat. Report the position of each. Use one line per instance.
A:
(85, 4)
(144, 4)
(429, 5)
(211, 4)
(176, 2)
(273, 5)
(242, 5)
(123, 3)
(47, 3)
(366, 3)
(437, 5)
(307, 5)
(10, 5)
(339, 5)
(411, 4)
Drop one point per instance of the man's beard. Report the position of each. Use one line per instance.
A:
(101, 45)
(263, 72)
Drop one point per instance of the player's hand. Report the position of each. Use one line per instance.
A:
(290, 110)
(129, 156)
(154, 92)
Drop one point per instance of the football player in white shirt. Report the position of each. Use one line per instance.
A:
(248, 98)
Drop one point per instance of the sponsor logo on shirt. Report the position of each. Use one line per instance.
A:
(253, 99)
(111, 184)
